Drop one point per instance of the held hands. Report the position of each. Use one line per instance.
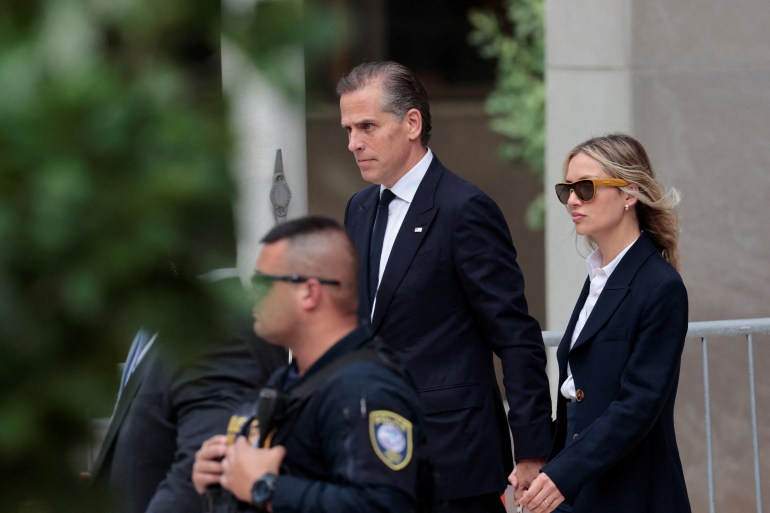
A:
(523, 474)
(542, 495)
(244, 464)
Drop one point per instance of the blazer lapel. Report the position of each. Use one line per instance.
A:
(608, 302)
(413, 231)
(564, 345)
(616, 288)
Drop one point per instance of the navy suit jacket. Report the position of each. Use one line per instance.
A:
(166, 411)
(626, 363)
(451, 295)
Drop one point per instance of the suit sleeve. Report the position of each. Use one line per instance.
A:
(204, 396)
(493, 282)
(646, 385)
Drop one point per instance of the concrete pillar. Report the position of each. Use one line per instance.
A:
(263, 120)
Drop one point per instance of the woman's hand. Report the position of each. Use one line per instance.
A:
(542, 496)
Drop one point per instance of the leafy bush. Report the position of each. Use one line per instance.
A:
(114, 194)
(517, 103)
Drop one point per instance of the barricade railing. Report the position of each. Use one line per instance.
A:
(703, 331)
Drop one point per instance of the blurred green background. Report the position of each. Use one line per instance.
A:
(114, 194)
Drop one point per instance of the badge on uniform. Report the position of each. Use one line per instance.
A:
(391, 437)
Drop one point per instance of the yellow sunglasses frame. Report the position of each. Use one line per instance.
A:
(609, 182)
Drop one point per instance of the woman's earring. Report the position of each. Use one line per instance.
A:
(626, 207)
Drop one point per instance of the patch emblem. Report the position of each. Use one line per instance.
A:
(391, 437)
(238, 426)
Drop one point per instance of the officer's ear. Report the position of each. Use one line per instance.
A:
(310, 294)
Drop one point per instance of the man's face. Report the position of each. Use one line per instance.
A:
(381, 143)
(273, 300)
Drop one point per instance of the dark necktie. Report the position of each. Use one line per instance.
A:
(378, 235)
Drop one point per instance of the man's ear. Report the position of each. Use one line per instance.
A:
(310, 293)
(413, 119)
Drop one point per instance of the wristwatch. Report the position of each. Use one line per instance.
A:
(262, 490)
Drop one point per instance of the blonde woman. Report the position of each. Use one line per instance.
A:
(615, 449)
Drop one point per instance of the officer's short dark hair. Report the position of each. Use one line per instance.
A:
(301, 226)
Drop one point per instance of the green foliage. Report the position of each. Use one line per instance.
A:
(517, 103)
(114, 194)
(111, 162)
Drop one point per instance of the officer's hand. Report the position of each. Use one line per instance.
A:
(244, 464)
(207, 466)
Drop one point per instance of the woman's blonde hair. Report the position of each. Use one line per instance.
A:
(622, 156)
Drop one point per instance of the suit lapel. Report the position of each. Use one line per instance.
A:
(360, 223)
(121, 409)
(413, 231)
(617, 288)
(564, 345)
(608, 302)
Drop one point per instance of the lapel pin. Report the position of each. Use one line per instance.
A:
(418, 229)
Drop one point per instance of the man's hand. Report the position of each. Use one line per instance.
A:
(523, 474)
(207, 467)
(244, 464)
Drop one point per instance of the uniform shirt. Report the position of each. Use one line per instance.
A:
(353, 445)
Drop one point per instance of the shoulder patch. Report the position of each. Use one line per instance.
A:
(391, 437)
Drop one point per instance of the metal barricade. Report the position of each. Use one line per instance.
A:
(742, 327)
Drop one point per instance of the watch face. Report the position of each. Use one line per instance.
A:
(258, 491)
(262, 491)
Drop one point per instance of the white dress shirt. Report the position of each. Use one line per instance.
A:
(599, 276)
(404, 189)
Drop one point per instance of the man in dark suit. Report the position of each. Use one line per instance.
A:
(168, 405)
(440, 283)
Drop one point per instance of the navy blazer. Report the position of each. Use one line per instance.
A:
(451, 295)
(625, 361)
(166, 411)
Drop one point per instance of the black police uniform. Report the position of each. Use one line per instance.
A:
(353, 445)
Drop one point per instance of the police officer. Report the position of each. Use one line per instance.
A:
(352, 442)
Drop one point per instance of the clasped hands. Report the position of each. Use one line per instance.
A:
(235, 467)
(533, 489)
